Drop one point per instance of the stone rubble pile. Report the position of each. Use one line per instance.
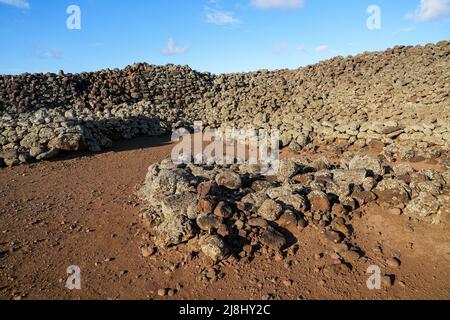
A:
(42, 134)
(232, 211)
(400, 97)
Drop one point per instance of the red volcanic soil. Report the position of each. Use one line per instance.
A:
(83, 211)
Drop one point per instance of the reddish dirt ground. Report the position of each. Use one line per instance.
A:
(83, 211)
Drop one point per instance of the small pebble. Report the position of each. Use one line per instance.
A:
(388, 280)
(393, 263)
(163, 292)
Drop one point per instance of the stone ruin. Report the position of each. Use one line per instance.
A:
(399, 97)
(232, 211)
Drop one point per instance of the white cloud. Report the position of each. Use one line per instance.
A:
(301, 48)
(278, 48)
(431, 10)
(220, 17)
(42, 52)
(278, 4)
(171, 49)
(17, 3)
(322, 48)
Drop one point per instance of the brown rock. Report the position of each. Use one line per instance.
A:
(319, 202)
(363, 197)
(388, 280)
(343, 229)
(163, 292)
(205, 188)
(229, 179)
(287, 219)
(208, 222)
(223, 230)
(270, 210)
(339, 210)
(393, 263)
(301, 224)
(258, 222)
(213, 247)
(332, 236)
(223, 210)
(261, 185)
(273, 239)
(206, 205)
(392, 193)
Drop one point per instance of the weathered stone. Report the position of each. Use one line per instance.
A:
(206, 205)
(393, 262)
(388, 280)
(349, 203)
(178, 204)
(273, 239)
(206, 188)
(9, 156)
(166, 183)
(339, 210)
(229, 180)
(213, 247)
(363, 197)
(369, 184)
(303, 179)
(403, 169)
(332, 236)
(36, 151)
(278, 192)
(261, 185)
(288, 168)
(294, 201)
(307, 110)
(287, 219)
(343, 229)
(301, 224)
(339, 188)
(355, 177)
(209, 222)
(270, 210)
(68, 142)
(223, 210)
(370, 164)
(173, 231)
(423, 207)
(252, 201)
(319, 201)
(258, 222)
(443, 214)
(392, 193)
(351, 256)
(48, 155)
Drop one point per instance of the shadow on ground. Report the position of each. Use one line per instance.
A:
(121, 145)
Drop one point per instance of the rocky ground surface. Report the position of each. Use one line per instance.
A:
(399, 96)
(364, 181)
(232, 214)
(85, 211)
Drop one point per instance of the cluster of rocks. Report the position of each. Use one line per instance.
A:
(400, 97)
(43, 134)
(232, 211)
(172, 85)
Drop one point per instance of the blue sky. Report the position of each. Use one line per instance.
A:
(209, 35)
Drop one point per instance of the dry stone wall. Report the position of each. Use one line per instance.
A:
(233, 212)
(400, 97)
